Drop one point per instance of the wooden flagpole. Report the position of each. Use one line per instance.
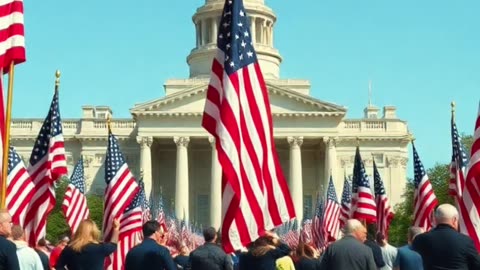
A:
(6, 138)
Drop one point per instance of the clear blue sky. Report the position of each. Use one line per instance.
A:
(421, 55)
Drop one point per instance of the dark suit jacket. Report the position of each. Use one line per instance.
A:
(348, 254)
(210, 256)
(445, 248)
(149, 255)
(8, 255)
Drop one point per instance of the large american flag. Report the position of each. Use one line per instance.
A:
(319, 236)
(346, 203)
(20, 188)
(331, 218)
(74, 204)
(237, 113)
(424, 201)
(384, 210)
(47, 164)
(130, 233)
(470, 201)
(121, 186)
(12, 50)
(363, 202)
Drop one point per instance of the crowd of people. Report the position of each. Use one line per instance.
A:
(443, 247)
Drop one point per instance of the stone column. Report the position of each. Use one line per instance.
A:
(252, 29)
(181, 183)
(197, 27)
(203, 27)
(215, 188)
(146, 162)
(214, 30)
(295, 180)
(330, 161)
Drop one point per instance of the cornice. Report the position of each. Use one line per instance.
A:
(200, 114)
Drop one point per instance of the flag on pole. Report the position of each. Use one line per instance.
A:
(363, 202)
(469, 220)
(384, 210)
(237, 113)
(130, 233)
(331, 218)
(74, 205)
(319, 236)
(121, 187)
(346, 202)
(20, 188)
(145, 205)
(47, 164)
(424, 199)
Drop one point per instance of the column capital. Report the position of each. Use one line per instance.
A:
(296, 141)
(145, 141)
(330, 141)
(181, 141)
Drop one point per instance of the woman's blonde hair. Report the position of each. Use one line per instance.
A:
(86, 233)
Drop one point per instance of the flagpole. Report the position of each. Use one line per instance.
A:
(6, 138)
(453, 110)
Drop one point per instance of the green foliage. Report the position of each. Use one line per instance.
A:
(439, 177)
(56, 223)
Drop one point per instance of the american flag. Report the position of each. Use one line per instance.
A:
(424, 201)
(237, 113)
(319, 236)
(331, 217)
(470, 198)
(384, 210)
(160, 213)
(121, 186)
(306, 232)
(145, 205)
(363, 202)
(47, 164)
(12, 50)
(74, 205)
(20, 188)
(346, 202)
(130, 233)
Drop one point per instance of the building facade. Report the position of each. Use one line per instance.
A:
(165, 141)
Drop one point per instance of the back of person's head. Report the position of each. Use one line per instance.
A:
(42, 242)
(380, 238)
(5, 223)
(64, 239)
(413, 231)
(18, 233)
(87, 232)
(355, 228)
(210, 234)
(447, 214)
(304, 251)
(150, 228)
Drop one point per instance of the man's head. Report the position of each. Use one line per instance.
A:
(5, 223)
(413, 232)
(18, 233)
(447, 214)
(153, 230)
(210, 235)
(356, 229)
(380, 238)
(64, 240)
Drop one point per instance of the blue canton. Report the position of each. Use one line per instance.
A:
(331, 194)
(458, 151)
(360, 177)
(13, 159)
(234, 37)
(52, 126)
(419, 170)
(347, 192)
(114, 159)
(379, 187)
(77, 179)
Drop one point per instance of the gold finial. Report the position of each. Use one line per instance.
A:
(57, 79)
(109, 120)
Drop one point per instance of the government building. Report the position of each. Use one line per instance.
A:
(165, 141)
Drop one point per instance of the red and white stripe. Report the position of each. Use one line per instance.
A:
(255, 193)
(44, 174)
(384, 214)
(12, 34)
(344, 213)
(363, 205)
(470, 201)
(331, 220)
(424, 202)
(20, 190)
(75, 207)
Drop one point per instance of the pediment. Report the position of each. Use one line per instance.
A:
(283, 101)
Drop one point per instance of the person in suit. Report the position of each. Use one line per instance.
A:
(210, 255)
(444, 247)
(150, 254)
(407, 259)
(349, 252)
(8, 250)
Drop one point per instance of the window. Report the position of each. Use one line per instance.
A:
(202, 210)
(307, 206)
